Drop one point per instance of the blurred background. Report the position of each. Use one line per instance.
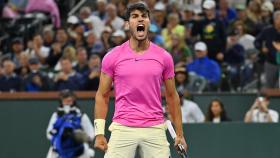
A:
(226, 55)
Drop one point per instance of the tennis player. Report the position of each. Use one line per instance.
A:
(137, 68)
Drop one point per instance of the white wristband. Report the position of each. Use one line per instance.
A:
(99, 126)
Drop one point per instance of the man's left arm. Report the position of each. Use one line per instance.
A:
(173, 102)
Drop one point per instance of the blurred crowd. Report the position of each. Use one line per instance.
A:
(220, 45)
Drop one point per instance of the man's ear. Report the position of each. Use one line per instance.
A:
(126, 25)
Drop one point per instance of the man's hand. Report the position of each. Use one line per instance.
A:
(180, 140)
(276, 45)
(220, 56)
(101, 143)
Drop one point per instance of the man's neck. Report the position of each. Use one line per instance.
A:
(139, 46)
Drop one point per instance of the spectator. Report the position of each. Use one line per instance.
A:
(154, 36)
(93, 74)
(121, 7)
(113, 20)
(9, 80)
(36, 79)
(70, 130)
(23, 70)
(94, 45)
(211, 31)
(267, 9)
(264, 42)
(48, 37)
(61, 41)
(69, 52)
(235, 59)
(259, 112)
(95, 25)
(118, 38)
(191, 113)
(173, 27)
(39, 50)
(67, 78)
(216, 112)
(181, 79)
(225, 13)
(17, 47)
(249, 25)
(244, 39)
(105, 38)
(82, 58)
(180, 52)
(92, 22)
(159, 15)
(205, 67)
(101, 9)
(254, 11)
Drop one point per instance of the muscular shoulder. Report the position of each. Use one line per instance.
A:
(161, 52)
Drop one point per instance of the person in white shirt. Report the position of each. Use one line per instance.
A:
(191, 113)
(113, 20)
(260, 113)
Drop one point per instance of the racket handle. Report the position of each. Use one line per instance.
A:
(170, 129)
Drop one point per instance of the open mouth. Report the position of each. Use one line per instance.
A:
(140, 27)
(140, 30)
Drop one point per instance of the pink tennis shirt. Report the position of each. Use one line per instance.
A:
(137, 82)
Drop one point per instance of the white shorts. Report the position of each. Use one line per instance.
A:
(151, 142)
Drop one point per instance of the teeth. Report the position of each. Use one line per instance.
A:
(141, 25)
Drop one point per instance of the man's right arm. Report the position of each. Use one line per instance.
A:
(101, 107)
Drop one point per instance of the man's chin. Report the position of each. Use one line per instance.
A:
(143, 38)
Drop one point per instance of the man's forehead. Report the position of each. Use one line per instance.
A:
(136, 11)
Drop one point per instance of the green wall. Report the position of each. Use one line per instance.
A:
(24, 122)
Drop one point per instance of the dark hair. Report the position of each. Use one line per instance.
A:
(65, 93)
(210, 115)
(136, 6)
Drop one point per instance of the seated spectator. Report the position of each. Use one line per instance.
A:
(23, 70)
(173, 27)
(39, 50)
(9, 80)
(154, 36)
(92, 23)
(36, 79)
(191, 113)
(235, 59)
(93, 45)
(204, 66)
(57, 48)
(93, 74)
(69, 52)
(259, 112)
(112, 19)
(17, 47)
(48, 36)
(82, 57)
(225, 12)
(181, 79)
(105, 38)
(216, 112)
(180, 52)
(70, 130)
(101, 9)
(68, 78)
(118, 37)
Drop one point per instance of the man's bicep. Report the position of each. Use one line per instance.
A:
(105, 83)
